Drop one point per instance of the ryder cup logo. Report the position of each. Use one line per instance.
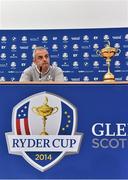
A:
(43, 130)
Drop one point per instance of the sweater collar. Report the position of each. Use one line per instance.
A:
(35, 66)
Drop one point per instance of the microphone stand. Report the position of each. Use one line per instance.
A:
(40, 74)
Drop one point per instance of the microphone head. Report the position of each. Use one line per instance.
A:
(40, 68)
(40, 74)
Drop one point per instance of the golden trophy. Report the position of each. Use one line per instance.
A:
(44, 111)
(108, 52)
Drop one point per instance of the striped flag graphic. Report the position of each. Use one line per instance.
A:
(22, 125)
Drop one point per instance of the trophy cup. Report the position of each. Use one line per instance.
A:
(44, 111)
(108, 52)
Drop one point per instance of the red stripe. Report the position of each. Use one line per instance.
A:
(26, 126)
(18, 127)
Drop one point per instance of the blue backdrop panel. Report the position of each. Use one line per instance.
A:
(95, 104)
(74, 50)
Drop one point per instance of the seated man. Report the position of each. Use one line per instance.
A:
(41, 70)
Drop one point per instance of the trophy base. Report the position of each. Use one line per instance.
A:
(109, 77)
(43, 133)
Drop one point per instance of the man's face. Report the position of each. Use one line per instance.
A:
(42, 59)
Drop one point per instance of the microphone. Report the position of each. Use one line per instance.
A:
(40, 69)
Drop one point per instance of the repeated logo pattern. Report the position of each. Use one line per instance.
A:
(72, 50)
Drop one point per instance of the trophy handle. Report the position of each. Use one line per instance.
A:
(56, 109)
(98, 52)
(34, 110)
(118, 51)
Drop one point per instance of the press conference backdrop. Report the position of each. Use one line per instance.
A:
(74, 50)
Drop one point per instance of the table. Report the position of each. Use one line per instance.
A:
(101, 112)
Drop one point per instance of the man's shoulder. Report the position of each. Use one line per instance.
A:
(28, 70)
(56, 69)
(58, 73)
